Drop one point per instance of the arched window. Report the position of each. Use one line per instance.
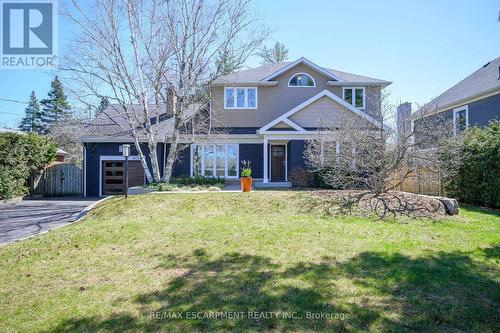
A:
(301, 80)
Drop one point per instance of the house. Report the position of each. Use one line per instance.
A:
(262, 115)
(474, 101)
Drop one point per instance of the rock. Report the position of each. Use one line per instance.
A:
(450, 205)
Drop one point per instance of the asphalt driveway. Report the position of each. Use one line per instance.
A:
(32, 217)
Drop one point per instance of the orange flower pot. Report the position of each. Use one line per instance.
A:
(246, 184)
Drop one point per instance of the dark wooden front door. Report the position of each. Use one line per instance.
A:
(113, 176)
(278, 163)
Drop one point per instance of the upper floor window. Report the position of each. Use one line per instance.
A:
(355, 96)
(301, 80)
(240, 98)
(460, 119)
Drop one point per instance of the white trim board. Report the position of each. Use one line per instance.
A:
(306, 62)
(324, 93)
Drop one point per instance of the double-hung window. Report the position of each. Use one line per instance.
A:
(212, 160)
(240, 97)
(355, 96)
(460, 119)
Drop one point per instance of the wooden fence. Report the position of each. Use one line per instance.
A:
(423, 181)
(60, 180)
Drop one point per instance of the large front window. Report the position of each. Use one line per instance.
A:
(355, 96)
(214, 160)
(240, 98)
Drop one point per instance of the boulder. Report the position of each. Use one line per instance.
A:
(450, 205)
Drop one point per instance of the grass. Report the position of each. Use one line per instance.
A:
(137, 264)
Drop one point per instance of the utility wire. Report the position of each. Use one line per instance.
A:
(12, 101)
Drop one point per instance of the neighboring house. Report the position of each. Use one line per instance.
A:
(262, 115)
(474, 101)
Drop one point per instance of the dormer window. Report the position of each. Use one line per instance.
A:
(301, 80)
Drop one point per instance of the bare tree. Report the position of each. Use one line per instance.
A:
(352, 153)
(277, 53)
(157, 57)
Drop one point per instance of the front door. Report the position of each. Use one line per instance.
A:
(278, 163)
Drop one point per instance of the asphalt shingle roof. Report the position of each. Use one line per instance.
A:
(257, 74)
(486, 79)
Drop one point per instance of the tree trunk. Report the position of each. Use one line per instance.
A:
(172, 156)
(149, 177)
(154, 162)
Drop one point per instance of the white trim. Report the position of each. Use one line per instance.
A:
(306, 62)
(335, 98)
(113, 158)
(245, 84)
(84, 171)
(294, 75)
(380, 83)
(214, 163)
(266, 161)
(455, 111)
(353, 90)
(246, 107)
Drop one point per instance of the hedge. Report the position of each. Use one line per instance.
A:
(476, 179)
(22, 155)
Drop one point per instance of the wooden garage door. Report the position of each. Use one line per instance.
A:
(113, 180)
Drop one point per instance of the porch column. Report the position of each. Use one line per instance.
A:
(266, 155)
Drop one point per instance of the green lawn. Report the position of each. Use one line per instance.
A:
(195, 254)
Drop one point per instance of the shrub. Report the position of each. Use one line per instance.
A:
(301, 177)
(476, 178)
(21, 156)
(198, 180)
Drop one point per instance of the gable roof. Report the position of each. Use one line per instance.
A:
(307, 63)
(324, 93)
(483, 81)
(263, 74)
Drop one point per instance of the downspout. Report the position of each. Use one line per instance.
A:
(164, 155)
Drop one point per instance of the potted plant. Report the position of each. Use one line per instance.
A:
(246, 176)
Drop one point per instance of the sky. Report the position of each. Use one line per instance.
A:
(424, 47)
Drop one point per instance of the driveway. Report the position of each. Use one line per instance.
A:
(32, 217)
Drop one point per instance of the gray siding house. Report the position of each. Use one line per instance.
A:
(263, 115)
(474, 101)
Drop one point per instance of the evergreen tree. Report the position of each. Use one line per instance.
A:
(227, 64)
(102, 105)
(277, 53)
(32, 121)
(55, 107)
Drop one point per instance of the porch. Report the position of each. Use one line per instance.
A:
(234, 185)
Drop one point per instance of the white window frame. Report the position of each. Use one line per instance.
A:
(246, 107)
(457, 110)
(214, 165)
(294, 75)
(354, 96)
